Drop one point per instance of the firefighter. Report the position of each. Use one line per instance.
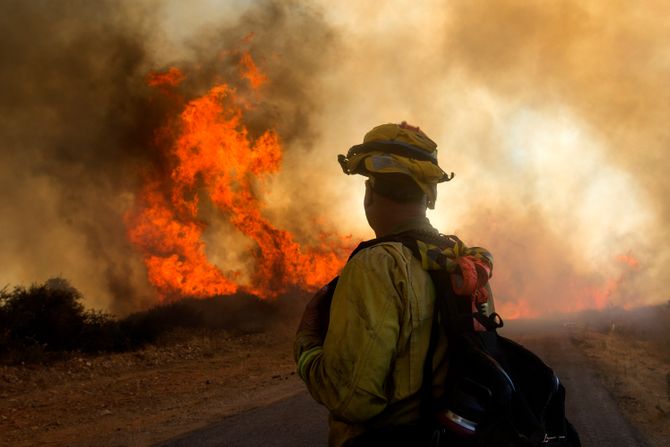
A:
(361, 347)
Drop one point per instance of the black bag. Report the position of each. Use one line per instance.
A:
(497, 393)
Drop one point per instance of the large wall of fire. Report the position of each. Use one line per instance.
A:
(152, 151)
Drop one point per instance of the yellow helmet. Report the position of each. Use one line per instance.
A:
(398, 149)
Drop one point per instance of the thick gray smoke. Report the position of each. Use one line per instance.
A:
(552, 115)
(76, 124)
(79, 122)
(605, 64)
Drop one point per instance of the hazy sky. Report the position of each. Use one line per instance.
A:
(551, 115)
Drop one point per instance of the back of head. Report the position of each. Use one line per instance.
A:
(401, 162)
(398, 188)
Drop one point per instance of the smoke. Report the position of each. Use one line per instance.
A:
(79, 123)
(75, 123)
(583, 85)
(552, 116)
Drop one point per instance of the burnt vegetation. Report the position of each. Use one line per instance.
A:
(48, 322)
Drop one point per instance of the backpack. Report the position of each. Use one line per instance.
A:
(497, 393)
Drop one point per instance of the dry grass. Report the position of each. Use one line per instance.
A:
(632, 354)
(185, 381)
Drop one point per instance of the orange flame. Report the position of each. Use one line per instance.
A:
(514, 310)
(596, 294)
(600, 296)
(214, 156)
(250, 71)
(629, 260)
(171, 78)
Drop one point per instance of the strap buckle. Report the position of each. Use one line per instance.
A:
(547, 439)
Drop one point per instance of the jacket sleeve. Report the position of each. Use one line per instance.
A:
(348, 374)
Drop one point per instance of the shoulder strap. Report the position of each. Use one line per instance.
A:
(406, 238)
(456, 312)
(445, 308)
(452, 314)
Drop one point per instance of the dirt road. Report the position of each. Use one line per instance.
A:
(298, 421)
(590, 407)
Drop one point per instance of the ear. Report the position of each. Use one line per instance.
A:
(367, 200)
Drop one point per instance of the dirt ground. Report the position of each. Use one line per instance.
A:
(191, 380)
(637, 374)
(147, 396)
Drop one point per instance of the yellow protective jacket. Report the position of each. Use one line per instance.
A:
(369, 371)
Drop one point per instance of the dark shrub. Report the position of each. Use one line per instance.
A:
(100, 332)
(44, 322)
(50, 315)
(146, 327)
